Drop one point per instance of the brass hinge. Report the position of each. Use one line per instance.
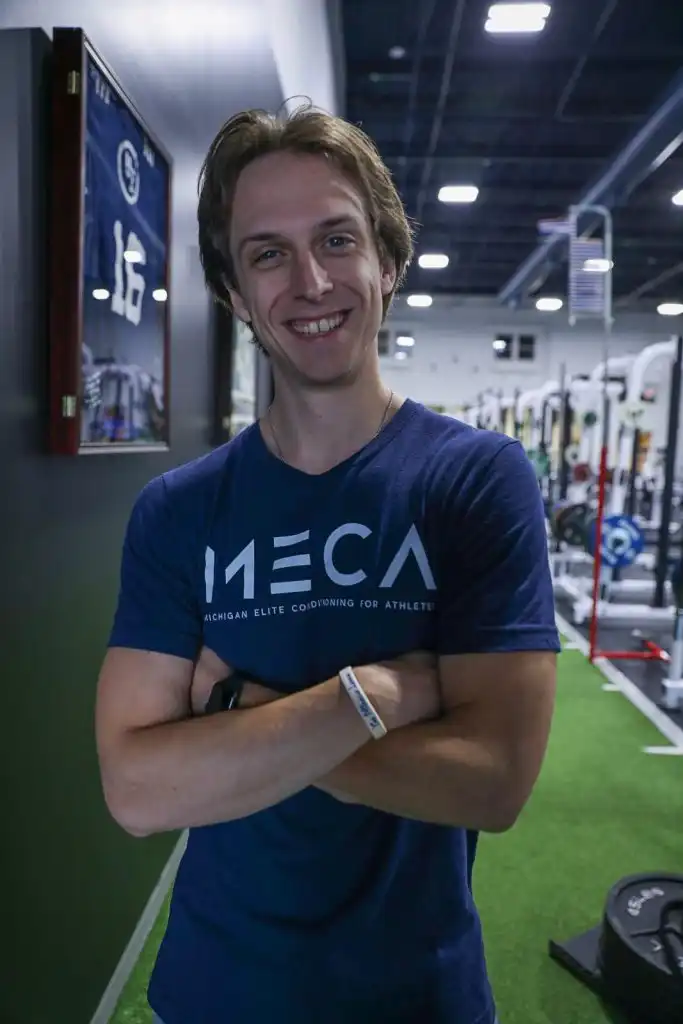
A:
(68, 406)
(73, 83)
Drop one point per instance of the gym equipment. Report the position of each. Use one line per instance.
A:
(540, 461)
(571, 455)
(633, 409)
(568, 523)
(606, 583)
(581, 473)
(634, 960)
(672, 684)
(622, 541)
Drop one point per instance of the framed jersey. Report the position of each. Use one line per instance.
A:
(109, 250)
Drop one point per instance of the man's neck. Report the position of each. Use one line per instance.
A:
(316, 431)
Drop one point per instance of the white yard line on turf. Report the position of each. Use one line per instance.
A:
(616, 680)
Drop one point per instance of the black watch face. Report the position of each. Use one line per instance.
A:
(224, 696)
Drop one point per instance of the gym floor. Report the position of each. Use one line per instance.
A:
(602, 809)
(647, 676)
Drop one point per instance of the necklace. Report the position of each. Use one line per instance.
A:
(280, 455)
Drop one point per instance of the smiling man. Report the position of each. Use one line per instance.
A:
(360, 589)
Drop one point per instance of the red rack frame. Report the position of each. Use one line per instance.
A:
(652, 651)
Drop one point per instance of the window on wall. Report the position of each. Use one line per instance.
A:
(527, 346)
(502, 346)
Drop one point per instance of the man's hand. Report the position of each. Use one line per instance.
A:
(404, 690)
(209, 670)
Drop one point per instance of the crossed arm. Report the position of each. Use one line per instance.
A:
(474, 767)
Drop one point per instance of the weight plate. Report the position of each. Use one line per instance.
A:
(571, 455)
(641, 947)
(622, 541)
(569, 522)
(581, 473)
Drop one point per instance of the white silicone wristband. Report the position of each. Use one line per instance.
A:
(361, 703)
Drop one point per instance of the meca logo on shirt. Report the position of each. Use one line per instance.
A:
(245, 562)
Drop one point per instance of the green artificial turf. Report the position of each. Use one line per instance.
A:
(601, 810)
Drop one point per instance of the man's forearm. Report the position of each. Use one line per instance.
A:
(226, 766)
(433, 772)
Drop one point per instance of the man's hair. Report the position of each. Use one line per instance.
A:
(254, 133)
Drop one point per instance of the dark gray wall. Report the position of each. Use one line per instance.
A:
(73, 884)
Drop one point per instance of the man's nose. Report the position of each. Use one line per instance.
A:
(311, 280)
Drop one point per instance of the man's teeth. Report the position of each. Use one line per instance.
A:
(318, 326)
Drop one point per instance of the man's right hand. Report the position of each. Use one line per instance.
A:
(404, 690)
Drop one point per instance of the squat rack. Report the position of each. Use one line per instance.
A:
(651, 651)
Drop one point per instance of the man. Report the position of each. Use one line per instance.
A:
(377, 574)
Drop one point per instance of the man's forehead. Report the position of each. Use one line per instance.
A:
(283, 217)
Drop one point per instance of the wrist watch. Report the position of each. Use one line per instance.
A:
(226, 694)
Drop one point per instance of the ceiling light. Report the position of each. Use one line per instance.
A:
(401, 355)
(517, 18)
(598, 266)
(397, 53)
(420, 301)
(670, 309)
(549, 305)
(160, 295)
(433, 261)
(100, 294)
(132, 256)
(500, 345)
(405, 341)
(678, 199)
(458, 194)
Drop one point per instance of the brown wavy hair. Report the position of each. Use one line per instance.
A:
(254, 133)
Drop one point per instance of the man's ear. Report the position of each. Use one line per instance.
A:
(388, 279)
(238, 305)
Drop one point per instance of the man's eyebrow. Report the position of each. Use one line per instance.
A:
(323, 225)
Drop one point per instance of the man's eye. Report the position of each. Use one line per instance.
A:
(269, 254)
(339, 241)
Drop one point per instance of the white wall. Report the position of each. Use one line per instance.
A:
(453, 359)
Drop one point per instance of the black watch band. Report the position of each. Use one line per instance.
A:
(226, 694)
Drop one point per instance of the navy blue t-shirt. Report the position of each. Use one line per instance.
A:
(431, 537)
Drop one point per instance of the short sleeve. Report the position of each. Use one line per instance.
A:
(157, 609)
(495, 592)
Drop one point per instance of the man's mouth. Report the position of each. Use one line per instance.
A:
(321, 327)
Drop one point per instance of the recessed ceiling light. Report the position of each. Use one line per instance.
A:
(549, 305)
(397, 53)
(420, 301)
(401, 355)
(458, 194)
(433, 261)
(517, 18)
(677, 200)
(670, 309)
(405, 341)
(598, 266)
